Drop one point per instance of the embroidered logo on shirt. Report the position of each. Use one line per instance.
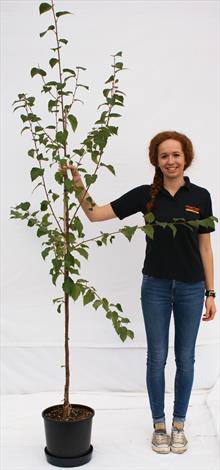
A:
(194, 209)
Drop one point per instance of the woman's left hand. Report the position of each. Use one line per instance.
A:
(210, 309)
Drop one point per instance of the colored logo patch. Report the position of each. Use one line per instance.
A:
(194, 209)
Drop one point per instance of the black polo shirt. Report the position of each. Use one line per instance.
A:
(166, 256)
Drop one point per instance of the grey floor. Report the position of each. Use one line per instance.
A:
(121, 432)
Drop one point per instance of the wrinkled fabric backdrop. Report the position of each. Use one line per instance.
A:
(170, 50)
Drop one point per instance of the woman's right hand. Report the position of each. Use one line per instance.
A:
(72, 168)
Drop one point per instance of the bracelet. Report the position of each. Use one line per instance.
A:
(210, 293)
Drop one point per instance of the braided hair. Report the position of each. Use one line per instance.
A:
(187, 149)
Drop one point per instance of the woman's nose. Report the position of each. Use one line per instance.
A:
(171, 159)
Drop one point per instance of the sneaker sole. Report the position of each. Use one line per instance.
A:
(160, 450)
(177, 450)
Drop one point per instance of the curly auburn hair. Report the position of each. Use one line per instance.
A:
(187, 149)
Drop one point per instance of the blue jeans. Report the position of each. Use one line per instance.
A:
(158, 298)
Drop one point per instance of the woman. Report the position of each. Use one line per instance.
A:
(177, 273)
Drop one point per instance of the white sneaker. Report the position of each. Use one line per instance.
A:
(160, 440)
(178, 441)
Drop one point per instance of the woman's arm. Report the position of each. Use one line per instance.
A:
(94, 213)
(205, 249)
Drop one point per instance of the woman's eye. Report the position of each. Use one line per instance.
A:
(175, 155)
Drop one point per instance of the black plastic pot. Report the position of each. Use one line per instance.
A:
(68, 442)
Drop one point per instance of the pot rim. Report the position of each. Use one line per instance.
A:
(67, 422)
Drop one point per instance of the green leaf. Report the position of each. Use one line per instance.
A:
(44, 7)
(123, 333)
(45, 252)
(90, 179)
(61, 13)
(17, 107)
(61, 137)
(76, 291)
(48, 29)
(55, 196)
(44, 205)
(35, 172)
(24, 118)
(113, 129)
(84, 86)
(114, 115)
(97, 304)
(68, 285)
(80, 68)
(119, 98)
(106, 91)
(119, 65)
(58, 177)
(73, 121)
(110, 167)
(149, 217)
(68, 185)
(45, 222)
(24, 206)
(114, 316)
(173, 228)
(57, 299)
(31, 222)
(118, 306)
(194, 223)
(207, 223)
(41, 231)
(38, 128)
(89, 297)
(125, 320)
(109, 315)
(70, 71)
(129, 231)
(69, 260)
(31, 153)
(149, 230)
(77, 225)
(83, 252)
(162, 224)
(79, 152)
(110, 79)
(53, 62)
(35, 71)
(24, 129)
(52, 104)
(64, 41)
(130, 333)
(105, 304)
(118, 53)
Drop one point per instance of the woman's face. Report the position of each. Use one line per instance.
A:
(171, 159)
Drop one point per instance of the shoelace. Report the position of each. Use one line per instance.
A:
(161, 437)
(178, 436)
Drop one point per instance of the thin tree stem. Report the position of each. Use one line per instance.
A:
(66, 406)
(43, 179)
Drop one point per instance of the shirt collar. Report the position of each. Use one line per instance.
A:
(184, 186)
(187, 182)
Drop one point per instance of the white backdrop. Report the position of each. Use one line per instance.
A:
(170, 49)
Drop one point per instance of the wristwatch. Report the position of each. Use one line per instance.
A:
(210, 293)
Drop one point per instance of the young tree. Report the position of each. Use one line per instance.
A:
(64, 238)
